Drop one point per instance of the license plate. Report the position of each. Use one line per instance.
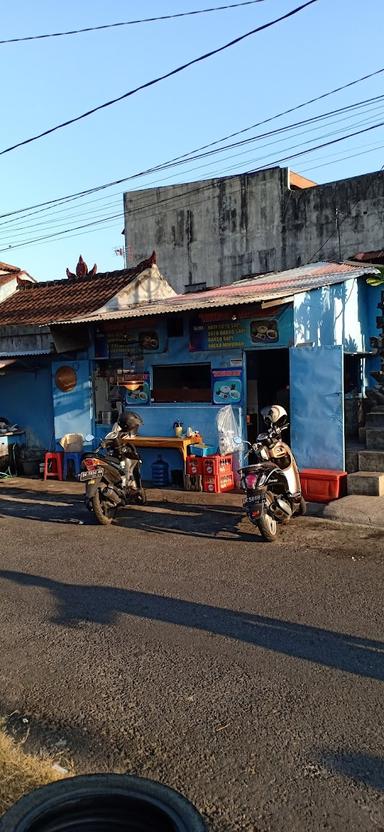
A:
(90, 474)
(257, 498)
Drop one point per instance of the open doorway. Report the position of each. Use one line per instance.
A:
(267, 383)
(354, 377)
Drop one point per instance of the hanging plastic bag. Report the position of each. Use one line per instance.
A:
(227, 428)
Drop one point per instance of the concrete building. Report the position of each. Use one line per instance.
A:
(216, 231)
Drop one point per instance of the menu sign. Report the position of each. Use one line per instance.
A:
(227, 386)
(121, 342)
(229, 335)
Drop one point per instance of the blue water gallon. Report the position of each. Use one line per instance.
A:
(160, 472)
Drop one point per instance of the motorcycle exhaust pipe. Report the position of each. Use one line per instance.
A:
(111, 496)
(280, 509)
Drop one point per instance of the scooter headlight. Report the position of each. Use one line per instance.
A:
(251, 480)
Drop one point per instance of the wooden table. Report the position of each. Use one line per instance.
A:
(180, 444)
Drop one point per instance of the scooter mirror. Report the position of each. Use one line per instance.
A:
(89, 437)
(237, 440)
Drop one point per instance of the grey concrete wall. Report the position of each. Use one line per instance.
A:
(218, 230)
(340, 218)
(213, 231)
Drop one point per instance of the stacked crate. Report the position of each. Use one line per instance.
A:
(193, 478)
(218, 474)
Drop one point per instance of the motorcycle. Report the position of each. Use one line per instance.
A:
(272, 484)
(112, 475)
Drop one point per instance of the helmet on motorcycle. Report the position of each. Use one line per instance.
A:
(130, 421)
(275, 415)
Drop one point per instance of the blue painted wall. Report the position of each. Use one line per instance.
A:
(338, 315)
(26, 399)
(73, 410)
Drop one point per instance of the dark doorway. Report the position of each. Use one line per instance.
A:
(267, 383)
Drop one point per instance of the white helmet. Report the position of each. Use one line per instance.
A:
(275, 414)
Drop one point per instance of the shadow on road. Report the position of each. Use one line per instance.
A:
(364, 768)
(46, 506)
(191, 520)
(104, 604)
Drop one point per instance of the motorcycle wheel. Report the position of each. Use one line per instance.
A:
(103, 801)
(267, 527)
(104, 513)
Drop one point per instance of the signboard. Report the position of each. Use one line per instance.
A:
(227, 386)
(243, 334)
(120, 341)
(134, 388)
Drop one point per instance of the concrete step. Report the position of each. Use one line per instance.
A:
(367, 483)
(352, 456)
(371, 461)
(374, 439)
(375, 419)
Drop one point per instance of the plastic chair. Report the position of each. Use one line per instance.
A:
(73, 457)
(53, 466)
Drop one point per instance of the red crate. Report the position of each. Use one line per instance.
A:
(194, 466)
(319, 485)
(217, 485)
(217, 466)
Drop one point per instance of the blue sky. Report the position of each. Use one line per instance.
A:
(48, 81)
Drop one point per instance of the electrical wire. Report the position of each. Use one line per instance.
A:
(18, 221)
(163, 77)
(113, 183)
(199, 189)
(17, 225)
(132, 22)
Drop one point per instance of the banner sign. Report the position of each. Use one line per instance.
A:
(121, 342)
(242, 334)
(227, 386)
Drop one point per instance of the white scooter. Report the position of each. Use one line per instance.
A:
(272, 485)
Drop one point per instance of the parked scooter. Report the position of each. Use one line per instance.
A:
(272, 485)
(112, 474)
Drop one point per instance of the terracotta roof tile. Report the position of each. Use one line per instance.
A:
(40, 303)
(5, 267)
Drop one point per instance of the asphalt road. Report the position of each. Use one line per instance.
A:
(176, 645)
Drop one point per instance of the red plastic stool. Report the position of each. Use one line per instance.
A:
(53, 466)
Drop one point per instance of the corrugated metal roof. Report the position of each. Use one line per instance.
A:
(20, 353)
(275, 285)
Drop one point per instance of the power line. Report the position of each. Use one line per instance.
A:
(18, 223)
(132, 22)
(113, 183)
(275, 162)
(16, 232)
(169, 74)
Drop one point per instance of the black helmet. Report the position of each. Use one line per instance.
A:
(130, 421)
